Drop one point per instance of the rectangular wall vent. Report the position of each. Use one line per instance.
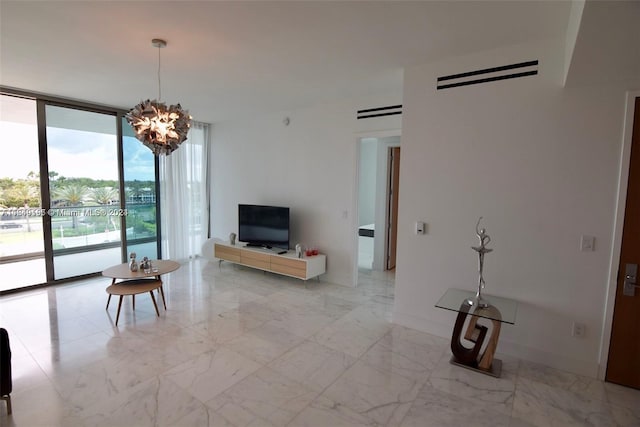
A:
(513, 71)
(391, 110)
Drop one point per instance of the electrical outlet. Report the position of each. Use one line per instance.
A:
(578, 330)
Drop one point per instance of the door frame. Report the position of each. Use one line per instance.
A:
(616, 246)
(380, 239)
(390, 233)
(356, 193)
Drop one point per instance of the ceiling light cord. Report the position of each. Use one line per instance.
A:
(159, 86)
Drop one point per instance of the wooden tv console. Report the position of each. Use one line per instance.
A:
(265, 259)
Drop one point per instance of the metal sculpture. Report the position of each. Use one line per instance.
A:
(482, 249)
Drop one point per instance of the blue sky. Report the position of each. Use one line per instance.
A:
(71, 153)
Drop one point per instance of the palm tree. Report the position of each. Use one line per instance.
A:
(26, 192)
(55, 180)
(74, 195)
(103, 195)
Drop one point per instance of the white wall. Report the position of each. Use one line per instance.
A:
(540, 163)
(309, 166)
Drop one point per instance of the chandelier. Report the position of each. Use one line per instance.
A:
(157, 126)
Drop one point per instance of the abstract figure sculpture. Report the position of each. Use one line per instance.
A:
(482, 249)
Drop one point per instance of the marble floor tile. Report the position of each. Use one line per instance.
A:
(437, 408)
(625, 417)
(264, 287)
(313, 365)
(264, 397)
(324, 412)
(156, 402)
(623, 396)
(209, 374)
(301, 322)
(186, 314)
(589, 388)
(226, 326)
(295, 297)
(180, 347)
(26, 372)
(381, 396)
(409, 353)
(232, 298)
(496, 394)
(352, 334)
(371, 314)
(331, 305)
(544, 405)
(264, 343)
(41, 405)
(104, 379)
(261, 310)
(237, 347)
(354, 295)
(203, 419)
(67, 356)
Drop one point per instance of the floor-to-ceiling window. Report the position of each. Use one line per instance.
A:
(77, 191)
(141, 201)
(82, 159)
(21, 232)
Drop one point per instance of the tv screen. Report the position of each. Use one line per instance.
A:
(266, 226)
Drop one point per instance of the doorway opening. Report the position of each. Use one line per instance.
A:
(379, 165)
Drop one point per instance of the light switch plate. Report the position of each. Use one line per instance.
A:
(587, 243)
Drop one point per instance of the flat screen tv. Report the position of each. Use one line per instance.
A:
(265, 226)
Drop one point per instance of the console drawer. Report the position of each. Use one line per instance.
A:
(289, 262)
(227, 253)
(291, 271)
(255, 259)
(258, 256)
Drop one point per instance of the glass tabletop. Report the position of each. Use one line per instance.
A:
(454, 298)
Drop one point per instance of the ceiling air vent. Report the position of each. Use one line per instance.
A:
(379, 112)
(513, 71)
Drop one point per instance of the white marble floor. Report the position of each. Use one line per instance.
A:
(238, 347)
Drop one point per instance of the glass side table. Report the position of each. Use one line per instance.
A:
(500, 310)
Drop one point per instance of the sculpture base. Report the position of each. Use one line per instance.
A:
(473, 357)
(495, 370)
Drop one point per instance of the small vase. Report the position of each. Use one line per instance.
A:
(133, 264)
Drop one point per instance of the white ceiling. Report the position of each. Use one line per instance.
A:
(230, 59)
